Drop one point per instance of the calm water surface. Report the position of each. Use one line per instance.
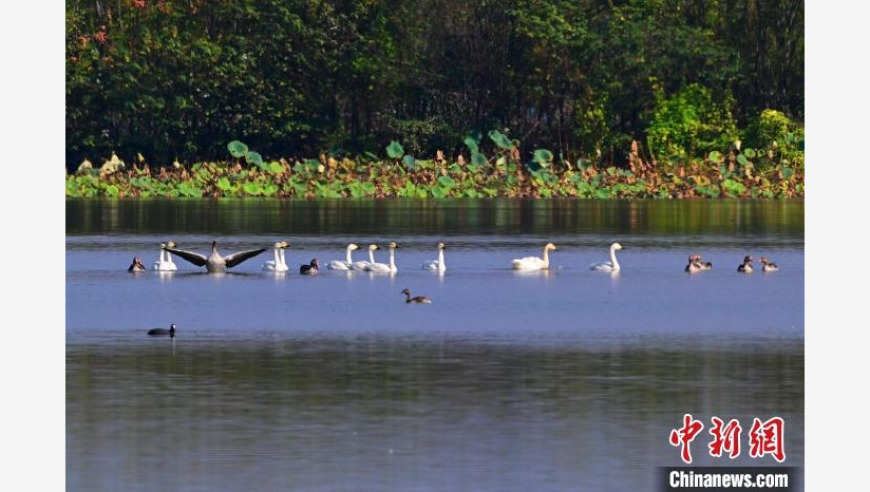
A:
(559, 380)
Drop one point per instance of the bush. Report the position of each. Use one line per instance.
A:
(690, 124)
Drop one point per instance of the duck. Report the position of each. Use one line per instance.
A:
(157, 332)
(694, 265)
(767, 265)
(608, 266)
(383, 267)
(361, 265)
(278, 264)
(164, 262)
(415, 300)
(343, 265)
(136, 266)
(746, 266)
(436, 264)
(215, 263)
(705, 265)
(533, 262)
(311, 268)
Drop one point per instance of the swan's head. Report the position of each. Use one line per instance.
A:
(279, 245)
(374, 247)
(550, 247)
(163, 246)
(352, 247)
(393, 245)
(171, 244)
(616, 246)
(285, 245)
(441, 246)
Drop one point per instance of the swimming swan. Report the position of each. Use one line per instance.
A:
(439, 263)
(533, 262)
(215, 263)
(383, 267)
(415, 300)
(164, 263)
(608, 266)
(746, 266)
(343, 265)
(278, 264)
(361, 265)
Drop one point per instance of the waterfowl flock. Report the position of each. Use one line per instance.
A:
(217, 263)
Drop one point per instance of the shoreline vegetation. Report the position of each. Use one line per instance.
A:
(774, 173)
(426, 98)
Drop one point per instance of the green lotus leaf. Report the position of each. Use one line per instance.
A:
(237, 149)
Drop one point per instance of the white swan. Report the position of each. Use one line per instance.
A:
(278, 264)
(608, 266)
(343, 265)
(383, 267)
(361, 265)
(439, 263)
(164, 263)
(533, 262)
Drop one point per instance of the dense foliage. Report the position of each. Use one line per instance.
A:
(562, 81)
(767, 175)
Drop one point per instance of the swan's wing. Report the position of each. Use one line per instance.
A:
(601, 266)
(236, 258)
(337, 265)
(527, 262)
(377, 267)
(195, 258)
(430, 265)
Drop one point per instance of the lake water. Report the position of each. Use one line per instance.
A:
(565, 379)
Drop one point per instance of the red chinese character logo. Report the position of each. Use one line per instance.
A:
(685, 435)
(767, 438)
(725, 438)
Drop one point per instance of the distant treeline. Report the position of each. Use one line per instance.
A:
(582, 78)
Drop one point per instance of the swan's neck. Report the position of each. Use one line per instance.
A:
(441, 259)
(277, 255)
(349, 260)
(392, 257)
(546, 257)
(613, 261)
(371, 256)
